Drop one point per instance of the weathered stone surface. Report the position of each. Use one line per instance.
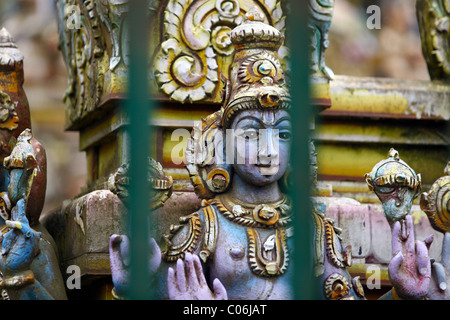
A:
(380, 232)
(82, 228)
(366, 229)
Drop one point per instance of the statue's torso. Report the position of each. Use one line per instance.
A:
(252, 261)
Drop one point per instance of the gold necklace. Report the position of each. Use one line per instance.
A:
(264, 215)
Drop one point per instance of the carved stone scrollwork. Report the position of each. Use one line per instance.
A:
(83, 47)
(434, 25)
(197, 46)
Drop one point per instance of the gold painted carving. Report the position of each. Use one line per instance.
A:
(8, 116)
(175, 251)
(319, 243)
(327, 236)
(336, 287)
(357, 286)
(399, 174)
(270, 215)
(160, 183)
(332, 233)
(434, 24)
(271, 258)
(210, 234)
(197, 47)
(436, 202)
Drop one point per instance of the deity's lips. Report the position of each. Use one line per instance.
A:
(268, 169)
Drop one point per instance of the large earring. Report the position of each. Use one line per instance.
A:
(218, 179)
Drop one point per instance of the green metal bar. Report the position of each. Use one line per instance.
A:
(304, 282)
(138, 108)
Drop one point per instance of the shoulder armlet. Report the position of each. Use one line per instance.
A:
(182, 237)
(186, 236)
(327, 235)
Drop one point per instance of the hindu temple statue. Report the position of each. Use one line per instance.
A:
(238, 159)
(29, 266)
(411, 271)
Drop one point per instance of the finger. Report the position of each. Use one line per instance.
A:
(446, 251)
(440, 276)
(395, 265)
(125, 250)
(199, 271)
(192, 276)
(114, 254)
(428, 241)
(180, 276)
(422, 258)
(219, 290)
(171, 284)
(410, 241)
(114, 242)
(396, 238)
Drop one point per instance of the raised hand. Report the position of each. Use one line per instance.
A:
(119, 248)
(410, 267)
(189, 283)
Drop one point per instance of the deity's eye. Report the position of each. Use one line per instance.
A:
(264, 68)
(250, 134)
(385, 189)
(284, 135)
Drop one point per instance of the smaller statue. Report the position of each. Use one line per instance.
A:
(396, 185)
(28, 263)
(411, 272)
(321, 13)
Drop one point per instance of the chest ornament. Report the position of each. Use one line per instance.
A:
(265, 215)
(270, 258)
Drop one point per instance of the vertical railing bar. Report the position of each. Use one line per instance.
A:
(298, 41)
(138, 108)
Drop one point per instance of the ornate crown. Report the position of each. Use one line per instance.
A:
(393, 172)
(257, 78)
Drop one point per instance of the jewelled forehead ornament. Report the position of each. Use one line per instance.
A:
(393, 172)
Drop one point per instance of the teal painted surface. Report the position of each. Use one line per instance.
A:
(304, 282)
(139, 109)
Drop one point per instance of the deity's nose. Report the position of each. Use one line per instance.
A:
(268, 147)
(269, 99)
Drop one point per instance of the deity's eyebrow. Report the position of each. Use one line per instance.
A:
(250, 118)
(283, 119)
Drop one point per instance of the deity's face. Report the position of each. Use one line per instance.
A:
(261, 146)
(397, 201)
